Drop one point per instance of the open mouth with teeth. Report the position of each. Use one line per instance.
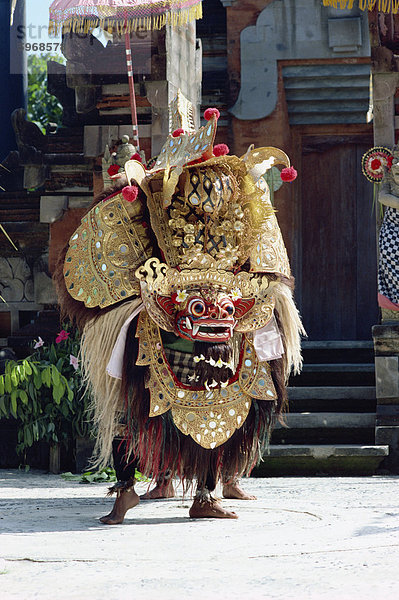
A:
(205, 330)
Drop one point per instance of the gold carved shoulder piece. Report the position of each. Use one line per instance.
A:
(268, 254)
(105, 251)
(260, 160)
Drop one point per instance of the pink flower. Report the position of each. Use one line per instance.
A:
(39, 343)
(62, 336)
(73, 361)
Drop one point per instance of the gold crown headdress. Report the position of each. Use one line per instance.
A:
(209, 214)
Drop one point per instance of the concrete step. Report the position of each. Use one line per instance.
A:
(326, 450)
(344, 399)
(331, 374)
(324, 393)
(337, 345)
(338, 368)
(321, 459)
(338, 352)
(328, 420)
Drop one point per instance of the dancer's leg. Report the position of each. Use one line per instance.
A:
(126, 497)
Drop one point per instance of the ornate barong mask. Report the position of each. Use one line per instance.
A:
(201, 245)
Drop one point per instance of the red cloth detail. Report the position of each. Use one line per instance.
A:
(389, 162)
(113, 170)
(208, 114)
(221, 150)
(130, 193)
(288, 174)
(178, 132)
(384, 302)
(136, 156)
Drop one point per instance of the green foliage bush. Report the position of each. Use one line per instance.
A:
(42, 106)
(44, 393)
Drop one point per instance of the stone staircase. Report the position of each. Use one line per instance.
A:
(330, 427)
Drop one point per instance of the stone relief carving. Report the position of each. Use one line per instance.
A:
(16, 281)
(289, 29)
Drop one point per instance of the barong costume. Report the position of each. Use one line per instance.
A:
(182, 285)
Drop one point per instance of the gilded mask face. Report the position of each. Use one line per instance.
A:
(204, 315)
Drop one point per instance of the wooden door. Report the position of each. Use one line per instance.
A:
(338, 298)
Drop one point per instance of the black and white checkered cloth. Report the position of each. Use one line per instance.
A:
(181, 363)
(388, 270)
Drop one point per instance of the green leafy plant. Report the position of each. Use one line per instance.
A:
(42, 106)
(43, 392)
(107, 474)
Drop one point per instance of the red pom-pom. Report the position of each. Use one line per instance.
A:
(288, 174)
(136, 156)
(208, 114)
(113, 170)
(221, 150)
(130, 193)
(178, 132)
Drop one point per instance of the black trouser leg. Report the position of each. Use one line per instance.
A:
(210, 482)
(125, 468)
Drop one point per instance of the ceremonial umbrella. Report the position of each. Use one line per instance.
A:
(382, 5)
(124, 17)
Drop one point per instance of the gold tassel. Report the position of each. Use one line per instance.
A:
(174, 18)
(386, 6)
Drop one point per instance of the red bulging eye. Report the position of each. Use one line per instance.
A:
(228, 306)
(197, 308)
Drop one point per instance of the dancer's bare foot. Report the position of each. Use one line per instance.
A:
(233, 491)
(161, 490)
(126, 499)
(209, 508)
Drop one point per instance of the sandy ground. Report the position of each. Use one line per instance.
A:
(303, 539)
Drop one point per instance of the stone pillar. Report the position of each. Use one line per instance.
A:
(384, 88)
(386, 345)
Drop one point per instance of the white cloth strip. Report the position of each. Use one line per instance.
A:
(115, 365)
(267, 342)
